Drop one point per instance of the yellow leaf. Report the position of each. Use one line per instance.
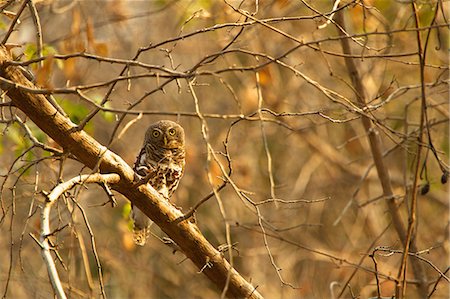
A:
(43, 74)
(101, 49)
(90, 32)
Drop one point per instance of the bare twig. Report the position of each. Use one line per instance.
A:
(412, 224)
(191, 212)
(437, 282)
(37, 24)
(14, 22)
(211, 153)
(347, 283)
(264, 138)
(91, 234)
(45, 221)
(376, 149)
(375, 264)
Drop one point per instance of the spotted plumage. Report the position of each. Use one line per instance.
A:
(161, 162)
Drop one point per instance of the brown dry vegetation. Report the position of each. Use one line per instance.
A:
(304, 208)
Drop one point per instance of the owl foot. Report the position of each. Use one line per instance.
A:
(188, 216)
(141, 180)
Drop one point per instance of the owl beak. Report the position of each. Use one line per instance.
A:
(165, 141)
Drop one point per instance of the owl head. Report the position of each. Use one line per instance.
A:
(165, 134)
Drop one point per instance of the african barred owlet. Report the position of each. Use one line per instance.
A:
(161, 161)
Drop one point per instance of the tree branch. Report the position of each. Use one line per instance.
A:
(45, 221)
(96, 156)
(377, 154)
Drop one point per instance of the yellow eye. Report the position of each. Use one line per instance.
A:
(155, 133)
(172, 132)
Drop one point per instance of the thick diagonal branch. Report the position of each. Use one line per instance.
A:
(94, 155)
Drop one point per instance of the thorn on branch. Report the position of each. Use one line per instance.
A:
(169, 242)
(225, 247)
(192, 211)
(208, 264)
(56, 230)
(112, 198)
(36, 240)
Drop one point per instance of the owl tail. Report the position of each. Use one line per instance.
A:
(141, 226)
(140, 236)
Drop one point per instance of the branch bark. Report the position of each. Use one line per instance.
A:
(97, 157)
(382, 170)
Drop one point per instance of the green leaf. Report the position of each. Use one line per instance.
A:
(16, 135)
(126, 210)
(3, 25)
(445, 145)
(76, 111)
(48, 50)
(30, 51)
(108, 116)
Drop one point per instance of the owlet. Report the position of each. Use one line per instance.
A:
(161, 161)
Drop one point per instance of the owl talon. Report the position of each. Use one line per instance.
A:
(138, 180)
(137, 177)
(142, 180)
(190, 216)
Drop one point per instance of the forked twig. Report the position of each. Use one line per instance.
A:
(45, 222)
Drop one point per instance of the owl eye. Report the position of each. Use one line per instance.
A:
(172, 132)
(155, 133)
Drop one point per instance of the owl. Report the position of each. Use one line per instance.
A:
(161, 162)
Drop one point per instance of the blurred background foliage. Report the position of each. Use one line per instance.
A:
(297, 154)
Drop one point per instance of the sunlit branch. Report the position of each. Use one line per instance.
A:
(45, 221)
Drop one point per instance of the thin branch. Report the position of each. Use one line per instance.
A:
(45, 222)
(14, 22)
(376, 149)
(91, 234)
(211, 153)
(264, 138)
(417, 255)
(37, 24)
(437, 282)
(319, 252)
(191, 212)
(375, 264)
(412, 215)
(363, 257)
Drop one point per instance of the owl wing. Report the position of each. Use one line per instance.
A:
(141, 223)
(173, 177)
(140, 166)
